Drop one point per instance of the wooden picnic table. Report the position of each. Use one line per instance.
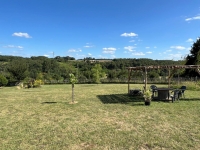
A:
(163, 93)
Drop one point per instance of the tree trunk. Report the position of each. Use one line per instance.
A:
(72, 93)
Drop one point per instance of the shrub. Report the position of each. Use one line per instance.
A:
(38, 83)
(3, 81)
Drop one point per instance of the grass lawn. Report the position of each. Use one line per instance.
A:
(105, 117)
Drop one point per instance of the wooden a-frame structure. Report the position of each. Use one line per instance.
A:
(170, 68)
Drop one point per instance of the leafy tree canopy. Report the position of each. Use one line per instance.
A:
(97, 73)
(18, 69)
(193, 58)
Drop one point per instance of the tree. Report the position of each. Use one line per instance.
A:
(46, 66)
(3, 80)
(193, 58)
(73, 80)
(18, 69)
(97, 73)
(35, 67)
(153, 74)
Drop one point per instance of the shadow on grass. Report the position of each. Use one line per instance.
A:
(49, 103)
(190, 99)
(121, 99)
(67, 103)
(132, 100)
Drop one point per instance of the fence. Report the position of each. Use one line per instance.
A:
(160, 80)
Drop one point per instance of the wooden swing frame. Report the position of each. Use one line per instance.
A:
(144, 69)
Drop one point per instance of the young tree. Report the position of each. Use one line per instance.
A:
(193, 58)
(73, 80)
(97, 73)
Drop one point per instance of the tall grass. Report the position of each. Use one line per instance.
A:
(190, 85)
(105, 117)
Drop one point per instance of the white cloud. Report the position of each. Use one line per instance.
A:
(138, 53)
(74, 50)
(20, 34)
(149, 52)
(71, 50)
(190, 40)
(80, 56)
(46, 55)
(175, 56)
(147, 47)
(129, 34)
(193, 18)
(9, 46)
(13, 46)
(129, 48)
(155, 47)
(178, 47)
(20, 47)
(89, 54)
(88, 46)
(110, 50)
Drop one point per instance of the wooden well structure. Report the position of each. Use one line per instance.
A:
(171, 69)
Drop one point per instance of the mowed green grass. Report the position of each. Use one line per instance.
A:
(105, 117)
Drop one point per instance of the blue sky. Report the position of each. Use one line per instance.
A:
(155, 29)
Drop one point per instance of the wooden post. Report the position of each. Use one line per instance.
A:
(169, 79)
(145, 82)
(129, 78)
(178, 79)
(72, 93)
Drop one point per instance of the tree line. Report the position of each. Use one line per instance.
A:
(15, 69)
